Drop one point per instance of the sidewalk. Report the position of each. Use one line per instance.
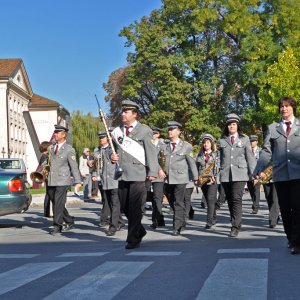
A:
(72, 199)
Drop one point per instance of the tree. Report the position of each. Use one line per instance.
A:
(85, 131)
(194, 61)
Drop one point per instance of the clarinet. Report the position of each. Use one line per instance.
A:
(118, 170)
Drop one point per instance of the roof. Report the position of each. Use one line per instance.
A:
(8, 66)
(42, 101)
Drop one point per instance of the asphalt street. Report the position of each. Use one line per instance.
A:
(199, 264)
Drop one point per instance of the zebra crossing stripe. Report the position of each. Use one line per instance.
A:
(18, 255)
(236, 279)
(82, 254)
(244, 250)
(152, 253)
(15, 278)
(104, 282)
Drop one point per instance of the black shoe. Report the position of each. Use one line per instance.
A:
(153, 226)
(110, 233)
(132, 245)
(208, 226)
(103, 224)
(176, 232)
(295, 250)
(272, 225)
(120, 226)
(234, 232)
(67, 227)
(55, 231)
(202, 204)
(254, 212)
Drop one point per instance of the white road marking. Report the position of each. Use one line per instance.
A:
(151, 253)
(16, 255)
(82, 254)
(15, 278)
(103, 282)
(245, 250)
(237, 279)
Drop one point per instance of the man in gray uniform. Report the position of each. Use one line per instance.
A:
(137, 158)
(109, 185)
(254, 189)
(179, 161)
(62, 165)
(282, 148)
(158, 184)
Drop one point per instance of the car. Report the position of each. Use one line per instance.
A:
(16, 164)
(15, 196)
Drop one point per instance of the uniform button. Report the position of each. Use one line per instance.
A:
(288, 150)
(231, 156)
(289, 160)
(232, 148)
(231, 165)
(288, 141)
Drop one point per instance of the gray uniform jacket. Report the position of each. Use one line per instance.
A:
(202, 165)
(107, 172)
(179, 162)
(134, 170)
(158, 148)
(63, 166)
(282, 151)
(237, 161)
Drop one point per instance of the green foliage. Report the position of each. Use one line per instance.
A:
(283, 79)
(85, 131)
(195, 61)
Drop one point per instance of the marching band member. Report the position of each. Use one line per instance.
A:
(282, 148)
(207, 160)
(254, 189)
(237, 164)
(137, 158)
(109, 185)
(63, 163)
(178, 161)
(97, 175)
(157, 184)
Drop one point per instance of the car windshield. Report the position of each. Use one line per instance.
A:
(10, 164)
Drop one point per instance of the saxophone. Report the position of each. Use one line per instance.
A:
(205, 176)
(269, 172)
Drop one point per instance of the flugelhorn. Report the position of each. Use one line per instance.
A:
(118, 170)
(41, 176)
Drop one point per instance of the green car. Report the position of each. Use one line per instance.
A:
(14, 192)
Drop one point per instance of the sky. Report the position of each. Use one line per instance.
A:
(69, 47)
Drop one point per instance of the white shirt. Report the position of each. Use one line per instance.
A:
(284, 125)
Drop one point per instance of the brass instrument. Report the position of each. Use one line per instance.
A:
(118, 171)
(205, 176)
(269, 173)
(162, 160)
(40, 177)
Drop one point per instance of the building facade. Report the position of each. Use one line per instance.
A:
(26, 119)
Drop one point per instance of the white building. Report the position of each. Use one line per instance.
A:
(26, 119)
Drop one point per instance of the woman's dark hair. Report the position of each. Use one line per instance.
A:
(213, 145)
(290, 101)
(44, 146)
(225, 132)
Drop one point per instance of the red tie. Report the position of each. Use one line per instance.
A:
(127, 130)
(288, 128)
(56, 149)
(232, 139)
(206, 157)
(174, 146)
